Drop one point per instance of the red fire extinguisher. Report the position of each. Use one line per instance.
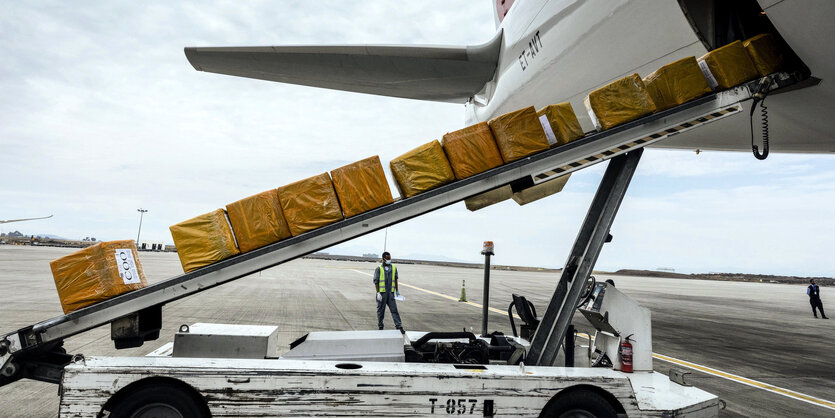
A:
(626, 355)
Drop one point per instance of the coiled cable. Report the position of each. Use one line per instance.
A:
(759, 99)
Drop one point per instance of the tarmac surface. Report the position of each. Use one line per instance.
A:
(755, 334)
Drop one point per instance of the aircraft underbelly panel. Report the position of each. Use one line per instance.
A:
(793, 126)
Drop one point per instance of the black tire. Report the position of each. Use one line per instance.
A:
(159, 400)
(579, 404)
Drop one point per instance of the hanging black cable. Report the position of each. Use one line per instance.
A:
(759, 99)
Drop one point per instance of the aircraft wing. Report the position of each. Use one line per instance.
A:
(21, 220)
(437, 73)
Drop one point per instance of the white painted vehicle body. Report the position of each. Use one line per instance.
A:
(244, 387)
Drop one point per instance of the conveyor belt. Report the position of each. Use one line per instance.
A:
(574, 156)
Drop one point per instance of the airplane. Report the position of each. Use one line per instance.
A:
(547, 52)
(23, 219)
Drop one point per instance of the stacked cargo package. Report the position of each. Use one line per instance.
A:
(541, 190)
(108, 269)
(619, 102)
(423, 168)
(471, 150)
(492, 197)
(727, 66)
(97, 273)
(258, 221)
(560, 123)
(361, 186)
(766, 53)
(676, 83)
(309, 204)
(203, 240)
(519, 134)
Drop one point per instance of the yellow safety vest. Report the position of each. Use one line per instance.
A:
(381, 286)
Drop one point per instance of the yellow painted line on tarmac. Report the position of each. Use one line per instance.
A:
(750, 382)
(698, 367)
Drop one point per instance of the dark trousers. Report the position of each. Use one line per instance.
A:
(388, 300)
(816, 304)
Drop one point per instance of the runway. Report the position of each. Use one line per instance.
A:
(757, 345)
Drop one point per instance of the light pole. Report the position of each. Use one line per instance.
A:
(487, 250)
(141, 214)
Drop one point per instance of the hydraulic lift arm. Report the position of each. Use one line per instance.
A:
(593, 234)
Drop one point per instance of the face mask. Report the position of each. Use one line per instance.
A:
(388, 262)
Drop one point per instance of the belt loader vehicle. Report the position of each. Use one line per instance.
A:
(213, 371)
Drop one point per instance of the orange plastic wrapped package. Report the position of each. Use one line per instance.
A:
(492, 197)
(519, 134)
(361, 186)
(309, 204)
(766, 53)
(727, 66)
(560, 123)
(97, 273)
(203, 240)
(258, 221)
(619, 102)
(541, 190)
(471, 150)
(676, 83)
(423, 168)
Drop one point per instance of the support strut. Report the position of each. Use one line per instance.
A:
(551, 331)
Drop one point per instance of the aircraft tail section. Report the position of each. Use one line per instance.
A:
(436, 73)
(500, 9)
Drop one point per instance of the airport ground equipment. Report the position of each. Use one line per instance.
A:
(487, 251)
(36, 351)
(632, 321)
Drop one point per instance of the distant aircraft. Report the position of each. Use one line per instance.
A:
(554, 51)
(24, 219)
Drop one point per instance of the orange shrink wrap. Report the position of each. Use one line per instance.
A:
(766, 53)
(97, 273)
(203, 240)
(560, 123)
(619, 102)
(361, 186)
(676, 83)
(728, 66)
(541, 190)
(421, 169)
(492, 197)
(258, 220)
(309, 204)
(519, 134)
(471, 150)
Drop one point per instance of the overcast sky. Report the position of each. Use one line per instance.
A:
(101, 114)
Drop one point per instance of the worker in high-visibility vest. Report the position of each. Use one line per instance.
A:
(385, 285)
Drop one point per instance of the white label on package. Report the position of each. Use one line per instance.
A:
(546, 125)
(127, 266)
(711, 80)
(592, 115)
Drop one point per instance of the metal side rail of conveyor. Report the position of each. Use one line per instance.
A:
(36, 351)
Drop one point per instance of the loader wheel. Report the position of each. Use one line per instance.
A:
(579, 404)
(159, 400)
